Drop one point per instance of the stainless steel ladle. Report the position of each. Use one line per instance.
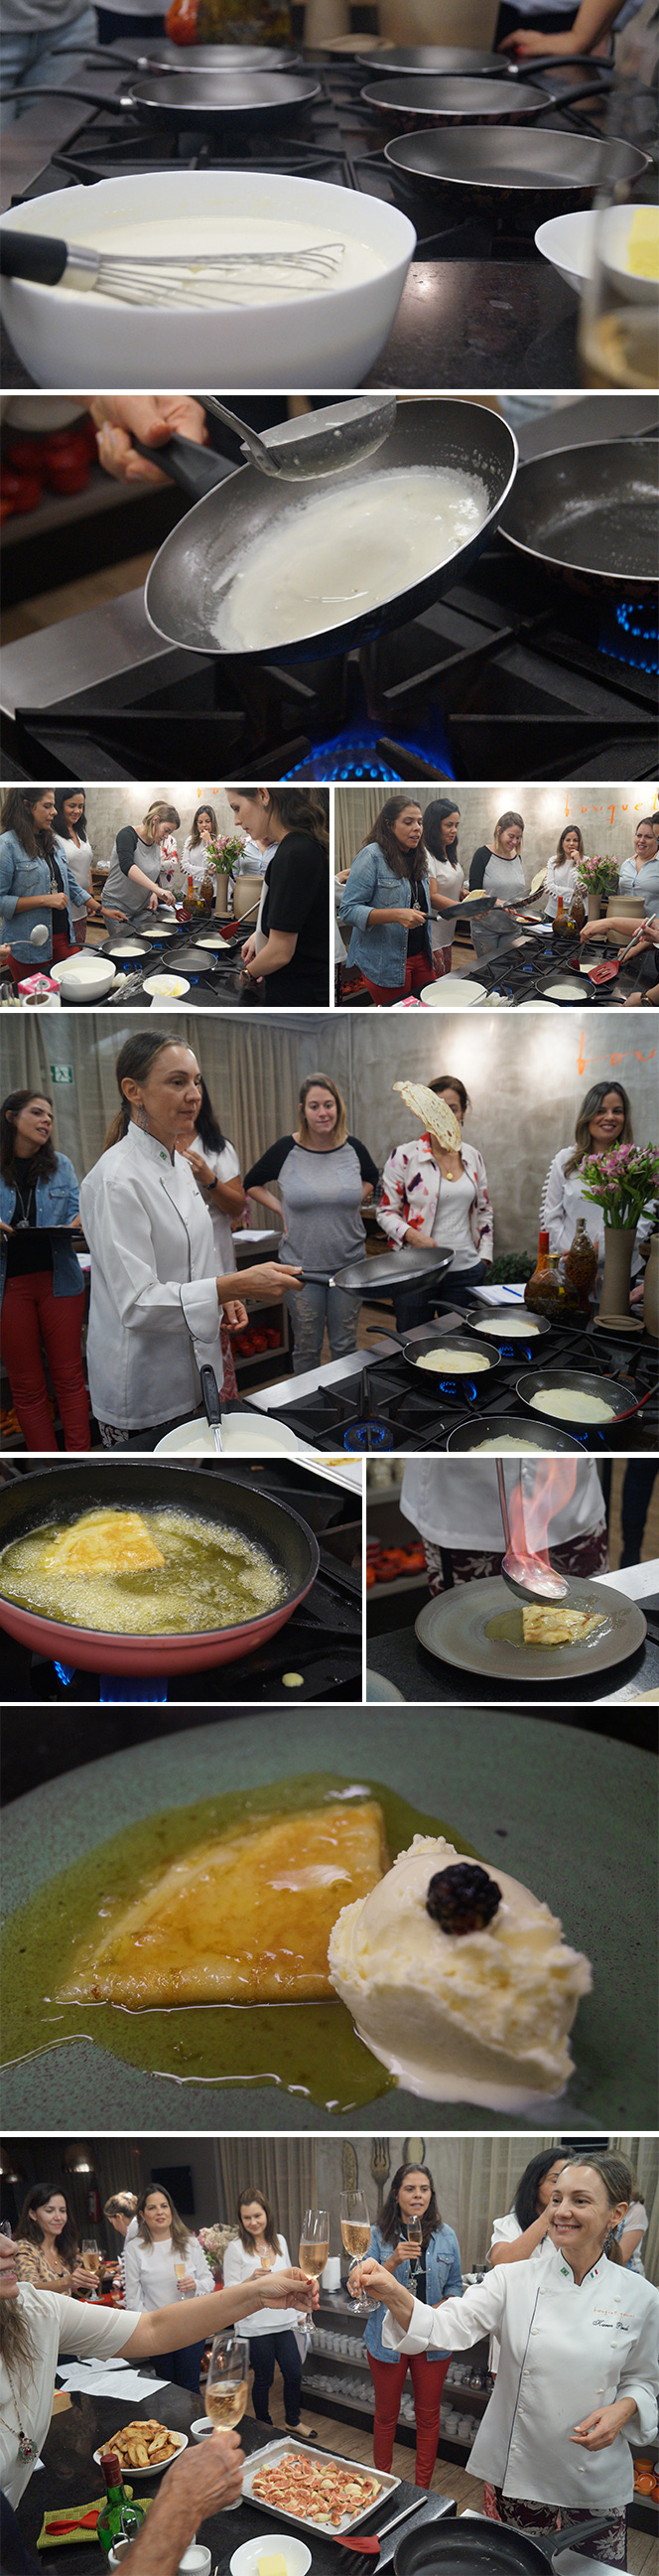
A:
(320, 443)
(542, 1583)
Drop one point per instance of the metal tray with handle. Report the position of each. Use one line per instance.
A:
(275, 2451)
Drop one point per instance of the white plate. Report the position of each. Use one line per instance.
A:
(537, 1006)
(453, 993)
(159, 985)
(295, 2553)
(568, 241)
(195, 1439)
(156, 2466)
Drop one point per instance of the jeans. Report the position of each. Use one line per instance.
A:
(310, 1309)
(264, 2351)
(43, 55)
(427, 2381)
(417, 1305)
(182, 2367)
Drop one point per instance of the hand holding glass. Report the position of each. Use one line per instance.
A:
(227, 2388)
(356, 2233)
(314, 2245)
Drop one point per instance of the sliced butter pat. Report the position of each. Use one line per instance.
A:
(643, 243)
(273, 2566)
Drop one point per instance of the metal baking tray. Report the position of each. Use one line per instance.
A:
(274, 2451)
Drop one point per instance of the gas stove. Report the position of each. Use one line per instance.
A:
(373, 1404)
(531, 964)
(511, 674)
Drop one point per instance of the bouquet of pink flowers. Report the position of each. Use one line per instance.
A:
(621, 1182)
(598, 876)
(215, 2240)
(225, 851)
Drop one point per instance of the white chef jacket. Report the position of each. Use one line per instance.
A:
(57, 2325)
(240, 2266)
(149, 2271)
(564, 2352)
(563, 1203)
(155, 1318)
(455, 1502)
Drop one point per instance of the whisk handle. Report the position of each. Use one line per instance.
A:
(197, 469)
(32, 255)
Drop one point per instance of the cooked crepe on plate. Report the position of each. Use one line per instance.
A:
(549, 1623)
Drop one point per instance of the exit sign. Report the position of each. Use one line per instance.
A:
(62, 1072)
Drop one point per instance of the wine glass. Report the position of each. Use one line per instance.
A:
(227, 2388)
(414, 2233)
(356, 2233)
(90, 2257)
(180, 2269)
(314, 2246)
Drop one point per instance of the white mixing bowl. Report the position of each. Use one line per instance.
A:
(318, 341)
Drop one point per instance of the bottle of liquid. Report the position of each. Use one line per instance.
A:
(549, 1292)
(207, 892)
(577, 910)
(580, 1265)
(191, 904)
(561, 922)
(120, 2518)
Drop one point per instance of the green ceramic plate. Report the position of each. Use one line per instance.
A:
(569, 1812)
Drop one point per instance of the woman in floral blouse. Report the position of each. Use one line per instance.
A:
(46, 2246)
(431, 1195)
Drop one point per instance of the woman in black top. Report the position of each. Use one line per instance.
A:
(288, 955)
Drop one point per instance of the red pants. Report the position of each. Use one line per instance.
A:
(63, 946)
(417, 973)
(31, 1314)
(427, 2381)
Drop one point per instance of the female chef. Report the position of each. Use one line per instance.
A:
(578, 2366)
(156, 1300)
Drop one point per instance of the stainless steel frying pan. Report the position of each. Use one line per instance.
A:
(181, 593)
(525, 175)
(591, 510)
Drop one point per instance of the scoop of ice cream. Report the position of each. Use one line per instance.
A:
(459, 2016)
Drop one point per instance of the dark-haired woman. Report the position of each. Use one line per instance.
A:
(441, 825)
(431, 2270)
(497, 864)
(523, 2231)
(216, 1169)
(287, 956)
(387, 905)
(73, 837)
(433, 1194)
(195, 861)
(578, 2371)
(156, 1297)
(324, 1176)
(604, 1120)
(38, 888)
(162, 2262)
(258, 2248)
(46, 2244)
(41, 1283)
(561, 877)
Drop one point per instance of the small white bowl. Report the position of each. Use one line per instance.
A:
(323, 342)
(283, 2544)
(568, 241)
(202, 2423)
(453, 993)
(156, 2468)
(156, 985)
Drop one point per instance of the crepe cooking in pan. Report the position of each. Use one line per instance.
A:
(431, 1109)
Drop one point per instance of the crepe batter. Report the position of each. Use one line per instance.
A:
(193, 240)
(344, 552)
(455, 1362)
(567, 1405)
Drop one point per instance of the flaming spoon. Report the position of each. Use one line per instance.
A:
(526, 1576)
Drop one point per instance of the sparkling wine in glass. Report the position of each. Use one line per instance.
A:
(356, 2233)
(91, 2260)
(180, 2269)
(227, 2388)
(414, 2234)
(314, 2246)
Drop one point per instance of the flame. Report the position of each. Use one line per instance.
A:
(537, 1495)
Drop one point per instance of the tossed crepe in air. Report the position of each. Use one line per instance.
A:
(549, 1624)
(111, 1542)
(243, 1919)
(432, 1109)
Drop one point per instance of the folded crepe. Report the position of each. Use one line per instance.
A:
(431, 1108)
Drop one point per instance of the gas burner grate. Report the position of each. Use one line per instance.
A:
(630, 634)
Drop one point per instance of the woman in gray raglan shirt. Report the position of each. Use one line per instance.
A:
(324, 1176)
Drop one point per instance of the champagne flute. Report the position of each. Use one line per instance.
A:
(91, 2259)
(227, 2388)
(414, 2233)
(314, 2246)
(180, 2269)
(356, 2233)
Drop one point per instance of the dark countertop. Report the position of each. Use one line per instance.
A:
(421, 1676)
(70, 2477)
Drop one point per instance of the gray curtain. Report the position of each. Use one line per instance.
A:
(284, 2169)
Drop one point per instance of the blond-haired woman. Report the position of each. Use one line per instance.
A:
(163, 2262)
(497, 864)
(324, 1176)
(135, 863)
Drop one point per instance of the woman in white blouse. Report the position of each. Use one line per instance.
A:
(578, 2368)
(441, 825)
(604, 1120)
(216, 1168)
(259, 2248)
(163, 2262)
(561, 872)
(157, 1300)
(71, 828)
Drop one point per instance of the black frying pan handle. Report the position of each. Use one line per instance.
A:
(90, 97)
(555, 2542)
(196, 469)
(32, 255)
(211, 1395)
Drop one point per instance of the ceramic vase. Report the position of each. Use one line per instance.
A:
(619, 1243)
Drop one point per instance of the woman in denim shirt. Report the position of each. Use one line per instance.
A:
(387, 904)
(435, 2265)
(37, 885)
(41, 1284)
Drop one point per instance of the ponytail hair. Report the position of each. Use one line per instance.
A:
(133, 1065)
(300, 809)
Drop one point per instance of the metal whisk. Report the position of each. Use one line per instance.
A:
(222, 277)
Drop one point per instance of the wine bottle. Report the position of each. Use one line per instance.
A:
(120, 2518)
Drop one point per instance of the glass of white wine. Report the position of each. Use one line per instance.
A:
(356, 2233)
(414, 2234)
(91, 2258)
(227, 2388)
(314, 2246)
(180, 2269)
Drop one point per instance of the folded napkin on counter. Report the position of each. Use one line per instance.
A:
(70, 2522)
